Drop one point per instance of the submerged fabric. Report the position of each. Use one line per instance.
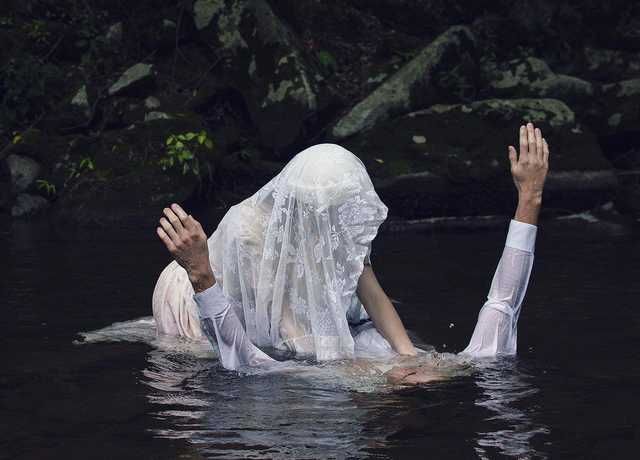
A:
(174, 309)
(290, 257)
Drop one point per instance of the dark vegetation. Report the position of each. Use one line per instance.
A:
(110, 109)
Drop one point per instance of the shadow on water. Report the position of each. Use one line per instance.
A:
(571, 392)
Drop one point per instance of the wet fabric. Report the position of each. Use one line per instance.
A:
(290, 257)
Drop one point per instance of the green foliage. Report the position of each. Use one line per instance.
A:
(327, 61)
(46, 186)
(182, 151)
(74, 170)
(86, 164)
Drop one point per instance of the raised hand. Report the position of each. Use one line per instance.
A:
(186, 241)
(529, 170)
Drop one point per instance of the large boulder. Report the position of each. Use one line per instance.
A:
(532, 77)
(263, 60)
(452, 159)
(442, 72)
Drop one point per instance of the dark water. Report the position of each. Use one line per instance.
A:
(572, 392)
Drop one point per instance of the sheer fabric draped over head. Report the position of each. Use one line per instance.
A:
(291, 254)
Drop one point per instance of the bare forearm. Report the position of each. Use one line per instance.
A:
(528, 209)
(383, 314)
(387, 321)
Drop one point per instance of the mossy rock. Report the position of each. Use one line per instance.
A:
(438, 73)
(265, 62)
(454, 157)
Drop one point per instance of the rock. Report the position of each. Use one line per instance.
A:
(26, 205)
(608, 65)
(441, 71)
(114, 34)
(150, 116)
(620, 107)
(134, 79)
(24, 172)
(37, 144)
(151, 103)
(462, 166)
(81, 99)
(532, 77)
(265, 63)
(74, 113)
(168, 24)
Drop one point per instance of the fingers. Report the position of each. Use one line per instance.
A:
(531, 139)
(175, 221)
(177, 209)
(532, 145)
(165, 239)
(524, 144)
(538, 135)
(187, 220)
(545, 151)
(513, 156)
(168, 229)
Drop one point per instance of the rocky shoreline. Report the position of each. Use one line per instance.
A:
(107, 117)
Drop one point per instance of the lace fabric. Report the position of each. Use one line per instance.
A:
(291, 254)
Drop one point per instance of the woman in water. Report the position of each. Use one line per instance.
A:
(288, 269)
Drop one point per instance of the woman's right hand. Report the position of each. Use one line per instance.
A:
(186, 241)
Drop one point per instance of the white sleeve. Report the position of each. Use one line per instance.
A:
(496, 331)
(221, 325)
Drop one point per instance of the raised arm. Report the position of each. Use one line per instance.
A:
(496, 330)
(187, 243)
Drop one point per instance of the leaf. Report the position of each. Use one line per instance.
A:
(179, 145)
(190, 136)
(17, 138)
(170, 140)
(209, 144)
(202, 138)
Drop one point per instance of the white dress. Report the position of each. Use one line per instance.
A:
(495, 332)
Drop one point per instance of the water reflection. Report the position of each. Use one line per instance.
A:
(506, 391)
(251, 416)
(319, 410)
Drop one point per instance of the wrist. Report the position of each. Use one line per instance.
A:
(530, 198)
(528, 208)
(201, 278)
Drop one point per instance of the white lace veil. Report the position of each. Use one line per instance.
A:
(292, 253)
